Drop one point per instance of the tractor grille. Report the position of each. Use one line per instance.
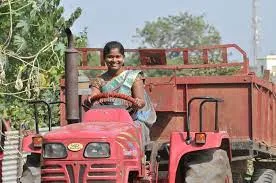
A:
(102, 173)
(53, 174)
(79, 172)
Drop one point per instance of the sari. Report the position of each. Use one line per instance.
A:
(146, 116)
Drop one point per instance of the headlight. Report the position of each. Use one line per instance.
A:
(54, 150)
(97, 150)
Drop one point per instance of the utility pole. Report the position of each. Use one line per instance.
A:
(256, 33)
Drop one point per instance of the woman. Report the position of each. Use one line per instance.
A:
(128, 82)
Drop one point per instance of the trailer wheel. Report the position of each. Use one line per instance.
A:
(209, 166)
(264, 176)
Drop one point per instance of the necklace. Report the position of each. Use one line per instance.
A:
(109, 75)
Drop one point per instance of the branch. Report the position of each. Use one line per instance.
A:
(55, 54)
(18, 58)
(45, 48)
(6, 84)
(13, 11)
(24, 99)
(7, 42)
(15, 94)
(5, 4)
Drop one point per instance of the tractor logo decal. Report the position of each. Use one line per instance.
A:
(75, 147)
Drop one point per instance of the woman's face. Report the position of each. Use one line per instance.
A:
(114, 60)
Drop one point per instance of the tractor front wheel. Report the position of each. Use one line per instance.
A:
(208, 166)
(31, 169)
(31, 175)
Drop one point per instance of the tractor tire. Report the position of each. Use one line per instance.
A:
(31, 175)
(31, 169)
(264, 176)
(209, 166)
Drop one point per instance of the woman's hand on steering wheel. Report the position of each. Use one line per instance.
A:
(87, 104)
(132, 104)
(139, 103)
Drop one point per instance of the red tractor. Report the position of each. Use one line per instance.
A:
(207, 126)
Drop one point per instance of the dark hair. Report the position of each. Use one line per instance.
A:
(111, 45)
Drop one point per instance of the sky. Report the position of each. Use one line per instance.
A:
(118, 20)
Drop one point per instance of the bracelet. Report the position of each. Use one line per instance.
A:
(89, 99)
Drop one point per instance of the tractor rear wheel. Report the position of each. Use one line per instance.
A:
(264, 176)
(209, 166)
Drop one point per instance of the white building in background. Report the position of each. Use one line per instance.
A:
(267, 63)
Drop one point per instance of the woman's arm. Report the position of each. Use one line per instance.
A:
(87, 101)
(138, 93)
(95, 90)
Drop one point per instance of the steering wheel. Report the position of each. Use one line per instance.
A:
(104, 98)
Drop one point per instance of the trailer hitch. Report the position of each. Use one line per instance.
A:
(188, 122)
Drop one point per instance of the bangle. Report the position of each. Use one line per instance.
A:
(89, 99)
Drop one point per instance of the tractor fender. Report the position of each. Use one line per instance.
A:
(179, 148)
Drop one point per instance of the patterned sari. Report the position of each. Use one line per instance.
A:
(123, 84)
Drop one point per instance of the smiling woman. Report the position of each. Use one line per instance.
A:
(113, 79)
(125, 82)
(114, 57)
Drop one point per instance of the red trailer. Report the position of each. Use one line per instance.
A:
(204, 124)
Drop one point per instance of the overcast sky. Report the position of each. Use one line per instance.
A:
(118, 20)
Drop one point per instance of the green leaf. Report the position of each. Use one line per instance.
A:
(60, 47)
(23, 24)
(20, 42)
(182, 30)
(35, 26)
(33, 13)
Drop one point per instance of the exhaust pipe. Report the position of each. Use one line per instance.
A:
(71, 81)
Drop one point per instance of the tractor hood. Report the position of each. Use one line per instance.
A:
(89, 130)
(97, 123)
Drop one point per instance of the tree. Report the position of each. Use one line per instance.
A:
(183, 30)
(32, 44)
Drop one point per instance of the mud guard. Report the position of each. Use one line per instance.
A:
(179, 147)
